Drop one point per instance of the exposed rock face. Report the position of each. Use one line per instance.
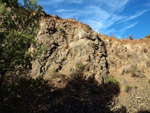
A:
(69, 45)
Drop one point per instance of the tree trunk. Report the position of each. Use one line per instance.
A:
(2, 78)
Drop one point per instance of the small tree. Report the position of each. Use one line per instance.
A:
(18, 27)
(131, 37)
(148, 36)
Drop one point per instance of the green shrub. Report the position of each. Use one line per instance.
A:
(80, 66)
(112, 85)
(112, 81)
(128, 88)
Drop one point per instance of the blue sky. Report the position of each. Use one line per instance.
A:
(120, 18)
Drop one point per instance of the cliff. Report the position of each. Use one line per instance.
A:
(69, 46)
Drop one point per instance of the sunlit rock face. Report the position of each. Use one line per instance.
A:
(68, 46)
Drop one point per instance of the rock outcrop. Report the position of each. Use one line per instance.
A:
(68, 45)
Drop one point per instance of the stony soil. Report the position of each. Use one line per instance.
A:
(129, 64)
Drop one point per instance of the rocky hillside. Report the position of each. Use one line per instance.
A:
(129, 63)
(68, 46)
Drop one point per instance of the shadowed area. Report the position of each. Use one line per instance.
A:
(144, 112)
(77, 96)
(83, 96)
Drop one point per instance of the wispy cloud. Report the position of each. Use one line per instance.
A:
(100, 19)
(56, 2)
(64, 11)
(101, 15)
(49, 2)
(70, 15)
(128, 27)
(76, 1)
(113, 6)
(114, 3)
(136, 15)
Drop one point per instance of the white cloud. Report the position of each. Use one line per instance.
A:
(76, 1)
(137, 14)
(50, 2)
(97, 12)
(119, 33)
(98, 18)
(128, 26)
(96, 25)
(62, 11)
(56, 2)
(69, 15)
(101, 15)
(113, 6)
(118, 36)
